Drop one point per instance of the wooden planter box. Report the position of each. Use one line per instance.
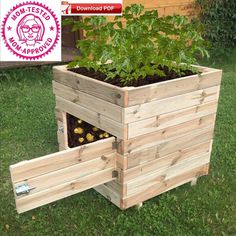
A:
(163, 133)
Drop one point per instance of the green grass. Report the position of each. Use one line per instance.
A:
(28, 130)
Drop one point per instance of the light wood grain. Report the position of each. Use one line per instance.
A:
(90, 102)
(156, 108)
(115, 186)
(121, 161)
(61, 148)
(58, 114)
(143, 182)
(165, 161)
(35, 200)
(175, 87)
(156, 123)
(169, 140)
(164, 186)
(62, 136)
(39, 166)
(90, 86)
(162, 136)
(61, 140)
(109, 194)
(113, 127)
(174, 145)
(70, 173)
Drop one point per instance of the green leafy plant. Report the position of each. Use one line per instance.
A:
(138, 44)
(219, 20)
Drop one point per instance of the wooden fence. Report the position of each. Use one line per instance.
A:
(167, 7)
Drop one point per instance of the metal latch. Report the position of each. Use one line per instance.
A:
(23, 189)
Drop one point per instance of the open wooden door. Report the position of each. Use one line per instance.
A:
(49, 178)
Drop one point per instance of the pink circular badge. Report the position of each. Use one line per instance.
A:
(30, 30)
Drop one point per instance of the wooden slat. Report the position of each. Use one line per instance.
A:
(175, 87)
(159, 3)
(165, 161)
(35, 200)
(115, 186)
(156, 108)
(61, 148)
(174, 145)
(58, 114)
(164, 186)
(115, 128)
(61, 140)
(128, 96)
(121, 161)
(62, 136)
(70, 173)
(181, 9)
(93, 103)
(136, 187)
(143, 182)
(109, 194)
(90, 86)
(187, 165)
(56, 161)
(64, 173)
(169, 119)
(162, 136)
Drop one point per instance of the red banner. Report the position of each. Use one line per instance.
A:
(93, 8)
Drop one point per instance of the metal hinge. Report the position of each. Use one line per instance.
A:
(61, 129)
(23, 189)
(114, 145)
(114, 174)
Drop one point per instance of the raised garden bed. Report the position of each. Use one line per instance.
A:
(157, 110)
(164, 131)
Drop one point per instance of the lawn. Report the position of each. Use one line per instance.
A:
(28, 130)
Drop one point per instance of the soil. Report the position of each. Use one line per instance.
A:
(170, 75)
(73, 138)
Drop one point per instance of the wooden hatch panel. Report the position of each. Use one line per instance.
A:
(55, 176)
